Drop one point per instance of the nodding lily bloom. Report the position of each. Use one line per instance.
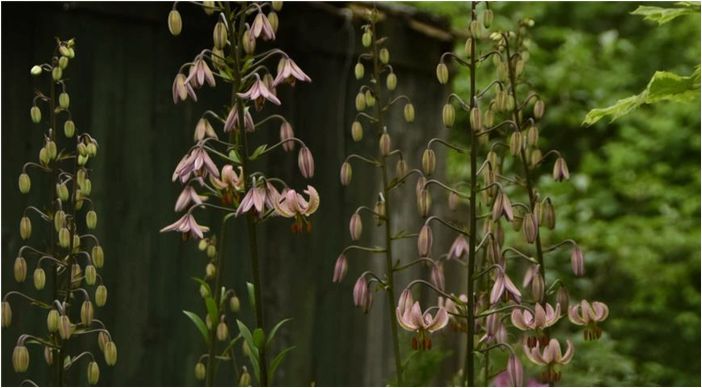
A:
(259, 197)
(533, 278)
(458, 248)
(340, 269)
(542, 317)
(198, 163)
(362, 297)
(504, 283)
(503, 379)
(200, 73)
(204, 129)
(502, 206)
(289, 71)
(437, 275)
(182, 89)
(577, 261)
(187, 224)
(230, 179)
(560, 170)
(258, 92)
(232, 121)
(494, 330)
(411, 318)
(550, 357)
(588, 315)
(187, 196)
(262, 27)
(458, 324)
(293, 205)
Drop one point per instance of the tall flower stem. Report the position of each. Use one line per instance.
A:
(390, 272)
(219, 264)
(469, 366)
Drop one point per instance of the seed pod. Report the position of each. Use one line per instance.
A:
(234, 304)
(6, 314)
(20, 359)
(175, 23)
(98, 256)
(273, 20)
(424, 241)
(355, 227)
(52, 320)
(110, 353)
(424, 203)
(428, 161)
(356, 131)
(25, 228)
(305, 162)
(360, 102)
(359, 70)
(200, 371)
(56, 73)
(219, 35)
(39, 277)
(442, 73)
(391, 81)
(384, 144)
(93, 373)
(91, 219)
(64, 237)
(48, 355)
(453, 200)
(101, 295)
(367, 38)
(370, 99)
(64, 100)
(448, 115)
(90, 275)
(400, 168)
(560, 170)
(345, 174)
(25, 183)
(530, 227)
(20, 269)
(384, 56)
(86, 313)
(475, 119)
(277, 5)
(488, 16)
(539, 109)
(222, 331)
(516, 143)
(35, 114)
(248, 41)
(532, 135)
(64, 327)
(409, 112)
(36, 70)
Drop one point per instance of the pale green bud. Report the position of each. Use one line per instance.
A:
(202, 244)
(64, 100)
(200, 371)
(211, 251)
(65, 328)
(219, 35)
(64, 237)
(25, 228)
(248, 41)
(384, 144)
(356, 131)
(63, 62)
(370, 99)
(208, 7)
(100, 295)
(62, 191)
(384, 55)
(6, 314)
(44, 156)
(488, 16)
(367, 39)
(475, 119)
(90, 275)
(86, 187)
(428, 161)
(20, 269)
(39, 278)
(69, 128)
(20, 359)
(409, 112)
(175, 22)
(234, 304)
(87, 312)
(93, 373)
(245, 379)
(273, 20)
(345, 174)
(91, 219)
(56, 73)
(277, 5)
(400, 168)
(538, 109)
(51, 149)
(391, 81)
(52, 320)
(98, 256)
(35, 113)
(25, 183)
(222, 331)
(448, 115)
(210, 271)
(360, 102)
(442, 73)
(36, 70)
(359, 70)
(110, 353)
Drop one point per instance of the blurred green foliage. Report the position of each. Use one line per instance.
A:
(633, 201)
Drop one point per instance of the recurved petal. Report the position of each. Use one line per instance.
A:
(601, 311)
(440, 320)
(568, 355)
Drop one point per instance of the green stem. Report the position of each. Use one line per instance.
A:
(219, 264)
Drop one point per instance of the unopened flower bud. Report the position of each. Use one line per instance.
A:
(175, 22)
(442, 73)
(305, 162)
(424, 241)
(286, 133)
(516, 143)
(90, 275)
(35, 113)
(424, 203)
(532, 135)
(211, 251)
(428, 161)
(44, 156)
(356, 131)
(25, 228)
(82, 149)
(20, 269)
(36, 70)
(69, 128)
(86, 313)
(448, 115)
(64, 237)
(76, 274)
(535, 157)
(370, 99)
(360, 102)
(453, 200)
(102, 340)
(200, 371)
(210, 271)
(345, 174)
(110, 353)
(248, 41)
(367, 39)
(56, 73)
(384, 144)
(222, 331)
(91, 219)
(475, 29)
(48, 355)
(62, 191)
(245, 379)
(20, 359)
(467, 47)
(39, 277)
(202, 244)
(530, 227)
(475, 119)
(234, 304)
(52, 320)
(537, 286)
(359, 70)
(437, 275)
(340, 268)
(277, 5)
(101, 295)
(98, 256)
(391, 81)
(355, 227)
(577, 261)
(515, 371)
(563, 298)
(63, 62)
(560, 170)
(65, 328)
(25, 183)
(488, 17)
(401, 168)
(539, 109)
(93, 373)
(64, 100)
(384, 56)
(92, 149)
(409, 112)
(6, 314)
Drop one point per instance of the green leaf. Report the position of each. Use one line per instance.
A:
(258, 152)
(204, 284)
(233, 155)
(276, 362)
(259, 337)
(664, 15)
(253, 354)
(664, 86)
(276, 328)
(201, 327)
(212, 309)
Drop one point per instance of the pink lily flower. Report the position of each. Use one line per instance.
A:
(504, 283)
(588, 315)
(262, 27)
(362, 297)
(551, 357)
(542, 318)
(289, 71)
(458, 324)
(200, 73)
(293, 205)
(232, 121)
(182, 89)
(340, 268)
(198, 163)
(187, 196)
(187, 224)
(458, 248)
(204, 129)
(230, 179)
(255, 199)
(259, 92)
(411, 318)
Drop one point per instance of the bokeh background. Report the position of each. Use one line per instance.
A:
(633, 201)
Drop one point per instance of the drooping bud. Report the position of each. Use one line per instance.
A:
(384, 56)
(102, 340)
(36, 70)
(90, 275)
(234, 304)
(25, 183)
(64, 100)
(248, 41)
(515, 371)
(211, 251)
(44, 156)
(467, 47)
(391, 81)
(424, 203)
(453, 200)
(277, 5)
(48, 355)
(93, 373)
(98, 256)
(409, 112)
(539, 109)
(562, 298)
(305, 162)
(548, 214)
(476, 119)
(219, 35)
(91, 218)
(86, 313)
(286, 133)
(448, 115)
(400, 169)
(442, 73)
(340, 268)
(69, 128)
(65, 328)
(39, 277)
(428, 161)
(175, 22)
(489, 118)
(370, 98)
(577, 261)
(222, 331)
(362, 297)
(475, 28)
(20, 269)
(379, 210)
(516, 143)
(437, 275)
(273, 20)
(530, 227)
(560, 170)
(35, 113)
(356, 131)
(25, 228)
(20, 359)
(101, 295)
(535, 157)
(52, 320)
(56, 73)
(200, 371)
(360, 102)
(63, 62)
(355, 227)
(424, 241)
(367, 38)
(488, 16)
(6, 314)
(62, 191)
(359, 70)
(64, 237)
(110, 353)
(345, 174)
(245, 379)
(384, 144)
(532, 135)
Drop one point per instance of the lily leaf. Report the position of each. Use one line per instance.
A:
(276, 362)
(253, 353)
(664, 15)
(258, 151)
(276, 328)
(201, 327)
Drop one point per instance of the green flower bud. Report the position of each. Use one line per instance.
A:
(442, 73)
(468, 46)
(259, 337)
(64, 237)
(36, 70)
(367, 39)
(532, 135)
(98, 256)
(208, 7)
(219, 35)
(52, 320)
(489, 118)
(538, 109)
(424, 202)
(277, 5)
(346, 173)
(25, 183)
(65, 328)
(475, 119)
(218, 58)
(535, 157)
(222, 331)
(6, 314)
(62, 191)
(51, 149)
(428, 161)
(20, 359)
(400, 168)
(248, 41)
(76, 273)
(56, 73)
(202, 244)
(200, 371)
(87, 312)
(409, 112)
(69, 128)
(391, 81)
(110, 353)
(384, 55)
(35, 113)
(246, 349)
(92, 149)
(475, 29)
(516, 143)
(93, 373)
(39, 278)
(64, 100)
(356, 131)
(448, 115)
(90, 275)
(488, 16)
(548, 214)
(384, 144)
(100, 295)
(234, 304)
(64, 50)
(210, 271)
(360, 102)
(25, 228)
(245, 379)
(273, 20)
(44, 156)
(175, 22)
(86, 187)
(370, 99)
(359, 70)
(20, 269)
(103, 339)
(211, 251)
(82, 160)
(63, 62)
(91, 219)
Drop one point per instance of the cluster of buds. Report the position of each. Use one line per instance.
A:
(217, 173)
(501, 189)
(69, 250)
